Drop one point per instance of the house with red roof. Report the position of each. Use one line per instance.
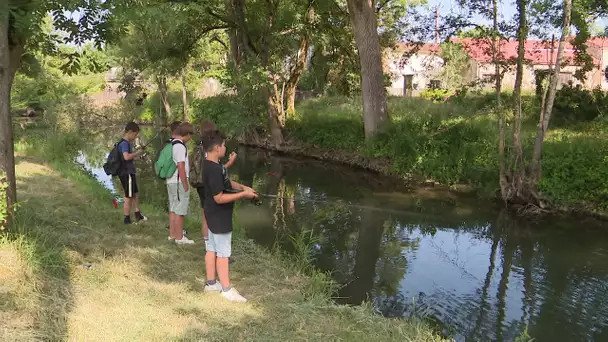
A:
(539, 55)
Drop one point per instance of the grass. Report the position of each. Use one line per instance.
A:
(75, 272)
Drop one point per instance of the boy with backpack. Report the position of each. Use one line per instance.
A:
(176, 172)
(196, 173)
(127, 173)
(220, 196)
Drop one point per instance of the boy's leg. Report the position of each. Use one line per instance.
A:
(211, 285)
(171, 195)
(135, 201)
(172, 225)
(179, 226)
(210, 266)
(223, 272)
(223, 247)
(180, 209)
(125, 182)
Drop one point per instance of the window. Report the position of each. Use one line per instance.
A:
(565, 77)
(435, 84)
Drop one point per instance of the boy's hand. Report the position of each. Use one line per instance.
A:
(246, 188)
(186, 188)
(232, 157)
(249, 194)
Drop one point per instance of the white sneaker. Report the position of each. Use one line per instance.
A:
(184, 241)
(234, 296)
(217, 287)
(170, 238)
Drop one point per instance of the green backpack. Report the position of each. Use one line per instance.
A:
(196, 166)
(165, 167)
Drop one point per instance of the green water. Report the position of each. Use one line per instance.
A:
(479, 273)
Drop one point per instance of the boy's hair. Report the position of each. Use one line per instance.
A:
(212, 139)
(185, 128)
(132, 127)
(174, 125)
(207, 127)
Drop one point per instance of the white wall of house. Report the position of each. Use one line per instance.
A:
(423, 68)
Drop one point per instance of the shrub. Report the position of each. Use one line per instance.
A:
(575, 170)
(575, 104)
(228, 113)
(435, 95)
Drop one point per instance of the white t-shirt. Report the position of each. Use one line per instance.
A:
(179, 155)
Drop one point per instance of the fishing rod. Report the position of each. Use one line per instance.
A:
(258, 202)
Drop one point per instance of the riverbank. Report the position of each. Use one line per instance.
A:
(453, 144)
(75, 272)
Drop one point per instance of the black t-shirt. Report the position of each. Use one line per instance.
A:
(219, 216)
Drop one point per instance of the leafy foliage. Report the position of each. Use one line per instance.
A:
(575, 104)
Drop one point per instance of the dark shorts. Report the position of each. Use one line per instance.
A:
(201, 195)
(129, 184)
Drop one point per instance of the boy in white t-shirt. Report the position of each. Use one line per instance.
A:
(177, 185)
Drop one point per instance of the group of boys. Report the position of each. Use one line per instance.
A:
(217, 195)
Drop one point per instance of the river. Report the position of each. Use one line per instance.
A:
(472, 269)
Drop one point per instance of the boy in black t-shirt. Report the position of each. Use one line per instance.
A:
(219, 204)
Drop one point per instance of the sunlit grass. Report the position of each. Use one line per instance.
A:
(75, 272)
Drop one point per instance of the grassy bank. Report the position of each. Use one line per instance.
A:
(72, 271)
(453, 143)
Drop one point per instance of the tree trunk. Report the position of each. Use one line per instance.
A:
(545, 117)
(10, 57)
(375, 109)
(296, 74)
(522, 34)
(502, 177)
(185, 97)
(276, 114)
(235, 10)
(164, 95)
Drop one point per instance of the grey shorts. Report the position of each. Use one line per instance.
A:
(179, 199)
(221, 244)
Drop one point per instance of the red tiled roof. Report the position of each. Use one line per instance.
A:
(537, 52)
(423, 49)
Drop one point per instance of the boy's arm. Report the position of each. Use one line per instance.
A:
(239, 186)
(126, 155)
(181, 169)
(179, 155)
(231, 160)
(224, 197)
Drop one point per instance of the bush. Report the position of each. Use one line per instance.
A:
(575, 170)
(228, 113)
(441, 141)
(40, 92)
(330, 122)
(575, 104)
(435, 95)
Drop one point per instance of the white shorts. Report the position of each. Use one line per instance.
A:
(221, 244)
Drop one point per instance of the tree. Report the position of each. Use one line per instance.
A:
(365, 25)
(20, 25)
(160, 38)
(456, 65)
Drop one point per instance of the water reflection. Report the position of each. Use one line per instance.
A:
(472, 268)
